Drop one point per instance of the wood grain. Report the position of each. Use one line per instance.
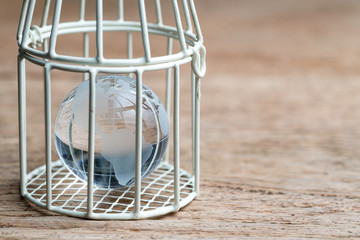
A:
(280, 131)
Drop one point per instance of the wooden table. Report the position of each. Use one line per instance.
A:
(280, 133)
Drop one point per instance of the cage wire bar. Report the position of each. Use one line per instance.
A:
(168, 188)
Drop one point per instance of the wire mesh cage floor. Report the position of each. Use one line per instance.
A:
(70, 193)
(168, 188)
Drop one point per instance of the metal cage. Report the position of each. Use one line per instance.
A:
(52, 186)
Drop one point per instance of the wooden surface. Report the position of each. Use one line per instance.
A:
(280, 150)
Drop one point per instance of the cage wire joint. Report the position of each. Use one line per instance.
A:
(198, 62)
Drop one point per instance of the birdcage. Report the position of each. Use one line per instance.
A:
(168, 188)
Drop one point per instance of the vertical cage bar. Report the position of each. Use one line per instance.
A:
(168, 94)
(176, 138)
(54, 28)
(121, 10)
(82, 10)
(45, 13)
(24, 8)
(138, 152)
(47, 89)
(91, 143)
(22, 122)
(193, 129)
(129, 47)
(187, 16)
(158, 12)
(179, 26)
(196, 20)
(46, 45)
(144, 30)
(29, 15)
(43, 23)
(99, 31)
(85, 50)
(85, 36)
(197, 135)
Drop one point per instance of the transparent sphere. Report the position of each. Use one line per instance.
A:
(115, 129)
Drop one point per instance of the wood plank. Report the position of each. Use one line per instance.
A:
(279, 130)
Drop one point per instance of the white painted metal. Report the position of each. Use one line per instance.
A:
(168, 188)
(176, 126)
(22, 123)
(48, 134)
(91, 139)
(138, 143)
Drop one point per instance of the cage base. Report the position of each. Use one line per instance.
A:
(69, 194)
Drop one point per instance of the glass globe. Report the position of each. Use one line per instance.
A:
(115, 128)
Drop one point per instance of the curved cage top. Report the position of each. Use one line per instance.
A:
(111, 32)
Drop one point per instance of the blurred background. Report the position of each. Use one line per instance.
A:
(280, 114)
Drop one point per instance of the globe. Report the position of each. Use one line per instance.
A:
(115, 129)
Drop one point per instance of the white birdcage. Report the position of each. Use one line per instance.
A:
(169, 187)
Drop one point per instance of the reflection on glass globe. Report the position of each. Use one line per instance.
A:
(115, 129)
